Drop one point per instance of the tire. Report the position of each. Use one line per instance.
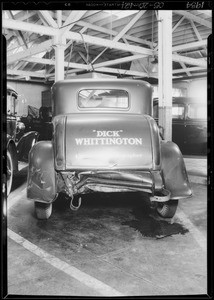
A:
(43, 210)
(10, 170)
(167, 209)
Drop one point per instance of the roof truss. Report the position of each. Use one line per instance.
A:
(92, 30)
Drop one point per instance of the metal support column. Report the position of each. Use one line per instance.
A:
(165, 72)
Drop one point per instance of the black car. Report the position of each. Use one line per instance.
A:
(17, 149)
(189, 124)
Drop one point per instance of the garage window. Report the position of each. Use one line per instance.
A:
(196, 111)
(105, 98)
(11, 103)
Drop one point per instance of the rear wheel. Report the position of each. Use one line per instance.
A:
(43, 210)
(10, 170)
(167, 209)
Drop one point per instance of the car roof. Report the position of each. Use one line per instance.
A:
(10, 88)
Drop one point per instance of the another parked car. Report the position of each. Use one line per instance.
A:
(105, 140)
(17, 151)
(189, 124)
(39, 120)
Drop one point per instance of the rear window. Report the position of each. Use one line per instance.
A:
(103, 99)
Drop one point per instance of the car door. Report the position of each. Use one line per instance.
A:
(178, 124)
(196, 129)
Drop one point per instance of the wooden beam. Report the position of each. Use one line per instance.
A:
(129, 25)
(59, 18)
(21, 16)
(196, 30)
(206, 12)
(29, 27)
(114, 33)
(122, 72)
(29, 52)
(192, 69)
(71, 20)
(118, 61)
(21, 64)
(18, 25)
(51, 62)
(116, 71)
(178, 23)
(25, 73)
(48, 18)
(184, 67)
(189, 60)
(194, 18)
(19, 34)
(165, 72)
(107, 43)
(46, 61)
(189, 46)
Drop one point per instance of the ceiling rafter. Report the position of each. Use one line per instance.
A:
(191, 69)
(108, 31)
(129, 25)
(29, 52)
(19, 34)
(125, 29)
(74, 36)
(184, 67)
(48, 18)
(189, 46)
(194, 18)
(114, 33)
(29, 27)
(197, 32)
(102, 32)
(47, 61)
(178, 23)
(71, 20)
(59, 18)
(26, 73)
(189, 60)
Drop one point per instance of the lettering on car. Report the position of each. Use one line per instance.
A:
(108, 138)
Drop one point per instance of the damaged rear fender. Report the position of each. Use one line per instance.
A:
(174, 171)
(41, 182)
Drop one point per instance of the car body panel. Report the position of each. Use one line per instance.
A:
(41, 173)
(103, 141)
(96, 147)
(174, 171)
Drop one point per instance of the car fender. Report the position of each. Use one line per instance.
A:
(174, 171)
(11, 146)
(25, 143)
(41, 182)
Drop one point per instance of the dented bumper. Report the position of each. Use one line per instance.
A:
(110, 181)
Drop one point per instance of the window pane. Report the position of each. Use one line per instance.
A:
(197, 111)
(177, 111)
(103, 99)
(155, 111)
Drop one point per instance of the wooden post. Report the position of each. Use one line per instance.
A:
(165, 72)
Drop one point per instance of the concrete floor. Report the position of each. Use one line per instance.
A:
(114, 245)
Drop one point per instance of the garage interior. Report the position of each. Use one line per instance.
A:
(114, 245)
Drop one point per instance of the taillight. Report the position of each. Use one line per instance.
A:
(59, 141)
